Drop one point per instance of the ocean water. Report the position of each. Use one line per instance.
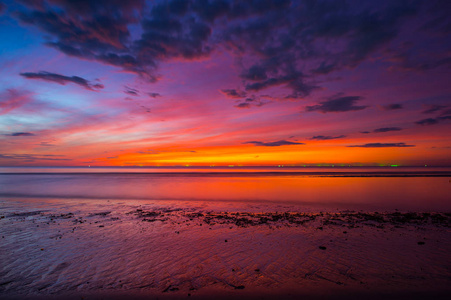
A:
(421, 189)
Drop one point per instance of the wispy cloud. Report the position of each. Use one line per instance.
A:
(430, 109)
(62, 79)
(154, 95)
(33, 157)
(386, 129)
(233, 93)
(12, 99)
(273, 144)
(46, 144)
(131, 91)
(382, 145)
(251, 101)
(21, 134)
(340, 104)
(393, 106)
(327, 137)
(243, 105)
(433, 121)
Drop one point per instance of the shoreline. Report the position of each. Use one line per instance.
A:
(120, 250)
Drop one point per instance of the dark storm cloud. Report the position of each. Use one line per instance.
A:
(233, 93)
(61, 79)
(324, 69)
(86, 25)
(21, 134)
(340, 104)
(94, 30)
(329, 35)
(210, 10)
(393, 106)
(291, 79)
(273, 144)
(289, 42)
(326, 137)
(131, 91)
(433, 108)
(387, 129)
(164, 39)
(382, 145)
(255, 73)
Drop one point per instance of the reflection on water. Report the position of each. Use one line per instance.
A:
(218, 171)
(419, 193)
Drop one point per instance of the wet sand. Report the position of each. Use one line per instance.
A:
(80, 249)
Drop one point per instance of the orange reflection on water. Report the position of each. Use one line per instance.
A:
(380, 193)
(425, 193)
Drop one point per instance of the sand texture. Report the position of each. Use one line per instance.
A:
(52, 249)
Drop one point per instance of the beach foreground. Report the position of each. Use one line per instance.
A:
(81, 249)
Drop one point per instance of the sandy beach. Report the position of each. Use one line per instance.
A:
(80, 249)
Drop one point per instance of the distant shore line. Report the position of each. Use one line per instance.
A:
(252, 174)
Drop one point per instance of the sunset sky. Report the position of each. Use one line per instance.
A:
(163, 83)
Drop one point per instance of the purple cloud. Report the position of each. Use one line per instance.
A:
(433, 108)
(387, 129)
(393, 106)
(278, 33)
(131, 91)
(326, 137)
(382, 145)
(154, 95)
(340, 104)
(61, 79)
(21, 134)
(232, 93)
(433, 121)
(273, 144)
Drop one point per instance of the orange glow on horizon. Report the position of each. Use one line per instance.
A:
(249, 155)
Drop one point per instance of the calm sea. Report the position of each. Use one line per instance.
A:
(426, 189)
